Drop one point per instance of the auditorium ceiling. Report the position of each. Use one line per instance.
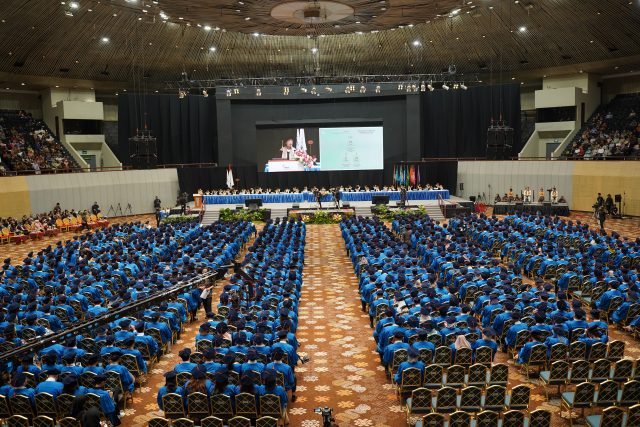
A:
(110, 41)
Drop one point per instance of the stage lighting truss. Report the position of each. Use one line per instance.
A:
(274, 87)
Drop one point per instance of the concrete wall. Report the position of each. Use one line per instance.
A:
(80, 190)
(28, 101)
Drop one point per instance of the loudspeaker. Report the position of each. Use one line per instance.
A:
(295, 206)
(346, 205)
(618, 198)
(380, 200)
(462, 186)
(472, 198)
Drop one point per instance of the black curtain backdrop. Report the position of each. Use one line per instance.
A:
(455, 122)
(185, 128)
(192, 179)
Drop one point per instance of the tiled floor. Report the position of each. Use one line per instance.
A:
(344, 372)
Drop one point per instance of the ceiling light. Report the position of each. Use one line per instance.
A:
(181, 94)
(463, 86)
(22, 84)
(378, 89)
(248, 18)
(444, 86)
(258, 92)
(314, 50)
(57, 86)
(328, 89)
(207, 28)
(417, 43)
(522, 29)
(205, 93)
(105, 40)
(423, 87)
(314, 91)
(228, 92)
(363, 89)
(513, 78)
(454, 12)
(285, 90)
(430, 87)
(400, 86)
(68, 13)
(256, 34)
(74, 5)
(212, 49)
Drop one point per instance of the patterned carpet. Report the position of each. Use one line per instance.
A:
(344, 372)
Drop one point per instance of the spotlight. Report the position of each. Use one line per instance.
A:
(444, 86)
(522, 29)
(205, 93)
(414, 87)
(258, 92)
(304, 90)
(285, 90)
(236, 91)
(314, 91)
(207, 28)
(74, 5)
(363, 89)
(378, 90)
(455, 86)
(400, 86)
(347, 89)
(212, 49)
(314, 50)
(417, 43)
(181, 94)
(430, 87)
(105, 40)
(328, 89)
(423, 87)
(228, 92)
(463, 86)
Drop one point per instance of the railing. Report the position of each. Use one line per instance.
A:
(102, 169)
(437, 159)
(442, 205)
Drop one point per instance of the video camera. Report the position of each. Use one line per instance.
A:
(326, 413)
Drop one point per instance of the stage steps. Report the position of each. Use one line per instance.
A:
(279, 212)
(364, 211)
(211, 215)
(434, 212)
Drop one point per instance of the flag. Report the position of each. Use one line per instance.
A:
(412, 175)
(230, 182)
(301, 142)
(418, 175)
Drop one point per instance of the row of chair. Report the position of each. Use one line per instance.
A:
(513, 418)
(470, 399)
(607, 393)
(561, 373)
(434, 377)
(615, 416)
(236, 421)
(200, 406)
(40, 421)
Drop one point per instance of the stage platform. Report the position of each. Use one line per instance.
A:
(504, 208)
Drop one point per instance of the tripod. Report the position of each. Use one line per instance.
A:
(111, 209)
(119, 209)
(128, 209)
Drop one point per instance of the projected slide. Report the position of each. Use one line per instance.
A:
(319, 148)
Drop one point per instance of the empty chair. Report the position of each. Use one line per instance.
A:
(17, 421)
(182, 422)
(633, 416)
(487, 419)
(630, 393)
(470, 399)
(419, 403)
(519, 397)
(494, 398)
(581, 398)
(539, 418)
(513, 419)
(460, 419)
(455, 376)
(72, 422)
(615, 350)
(622, 370)
(499, 374)
(431, 420)
(579, 372)
(610, 417)
(239, 421)
(433, 376)
(445, 400)
(601, 370)
(153, 422)
(606, 395)
(266, 422)
(477, 375)
(43, 421)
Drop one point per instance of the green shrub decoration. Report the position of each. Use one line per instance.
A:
(258, 215)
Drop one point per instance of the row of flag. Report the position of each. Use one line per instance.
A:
(406, 174)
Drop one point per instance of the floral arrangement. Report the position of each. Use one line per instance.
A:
(304, 158)
(259, 215)
(322, 217)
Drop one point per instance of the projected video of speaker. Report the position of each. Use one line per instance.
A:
(310, 149)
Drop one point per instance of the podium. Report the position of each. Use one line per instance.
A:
(197, 201)
(284, 165)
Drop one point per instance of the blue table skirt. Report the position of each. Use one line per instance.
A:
(361, 196)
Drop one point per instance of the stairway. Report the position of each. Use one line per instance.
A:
(211, 215)
(364, 211)
(279, 211)
(434, 212)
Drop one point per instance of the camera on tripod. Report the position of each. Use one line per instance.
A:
(327, 419)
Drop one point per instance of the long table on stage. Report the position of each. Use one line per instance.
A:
(345, 196)
(504, 208)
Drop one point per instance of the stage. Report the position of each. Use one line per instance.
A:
(503, 208)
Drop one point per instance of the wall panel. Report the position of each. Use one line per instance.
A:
(79, 191)
(607, 177)
(14, 197)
